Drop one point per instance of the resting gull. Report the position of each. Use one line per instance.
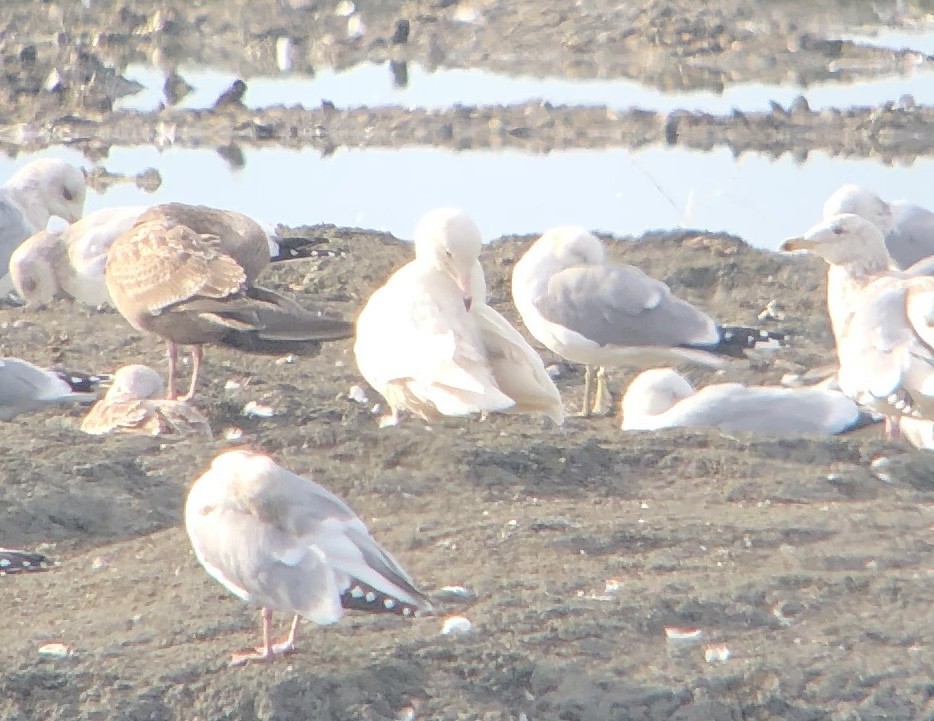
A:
(428, 342)
(37, 191)
(71, 262)
(26, 387)
(285, 543)
(189, 279)
(134, 404)
(908, 229)
(592, 311)
(662, 398)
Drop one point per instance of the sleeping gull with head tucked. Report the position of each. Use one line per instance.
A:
(428, 342)
(662, 398)
(908, 229)
(592, 311)
(284, 543)
(37, 191)
(71, 262)
(134, 404)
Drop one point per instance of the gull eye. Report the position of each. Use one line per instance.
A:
(837, 230)
(69, 196)
(449, 254)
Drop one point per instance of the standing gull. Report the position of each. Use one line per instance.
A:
(591, 311)
(908, 229)
(428, 342)
(285, 543)
(662, 398)
(25, 387)
(41, 189)
(71, 262)
(134, 405)
(189, 279)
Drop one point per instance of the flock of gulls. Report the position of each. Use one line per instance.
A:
(428, 341)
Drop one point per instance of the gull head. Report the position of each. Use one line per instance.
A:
(447, 239)
(137, 382)
(32, 267)
(47, 187)
(846, 240)
(859, 201)
(652, 393)
(570, 245)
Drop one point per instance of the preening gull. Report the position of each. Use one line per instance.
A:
(134, 404)
(285, 543)
(13, 561)
(662, 398)
(908, 229)
(26, 387)
(592, 311)
(71, 262)
(189, 279)
(37, 191)
(428, 342)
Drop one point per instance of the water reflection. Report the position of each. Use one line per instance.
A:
(758, 198)
(413, 86)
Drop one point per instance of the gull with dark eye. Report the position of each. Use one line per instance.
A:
(37, 191)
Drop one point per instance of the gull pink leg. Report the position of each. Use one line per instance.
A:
(197, 353)
(268, 650)
(171, 351)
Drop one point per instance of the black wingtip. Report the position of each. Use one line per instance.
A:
(22, 562)
(83, 382)
(736, 340)
(296, 248)
(363, 597)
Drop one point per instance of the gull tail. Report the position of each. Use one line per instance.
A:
(735, 340)
(22, 562)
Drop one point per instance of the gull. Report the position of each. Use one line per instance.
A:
(282, 542)
(880, 319)
(133, 404)
(428, 342)
(70, 262)
(908, 229)
(189, 278)
(592, 311)
(37, 191)
(26, 387)
(662, 398)
(14, 561)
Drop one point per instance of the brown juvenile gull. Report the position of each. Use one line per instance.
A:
(282, 542)
(133, 404)
(592, 311)
(13, 561)
(70, 262)
(663, 398)
(194, 284)
(428, 342)
(37, 191)
(26, 387)
(908, 229)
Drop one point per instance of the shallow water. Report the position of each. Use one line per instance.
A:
(374, 84)
(758, 198)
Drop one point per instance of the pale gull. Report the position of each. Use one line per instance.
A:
(37, 191)
(662, 398)
(429, 344)
(70, 262)
(189, 278)
(284, 543)
(592, 311)
(26, 387)
(134, 405)
(908, 229)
